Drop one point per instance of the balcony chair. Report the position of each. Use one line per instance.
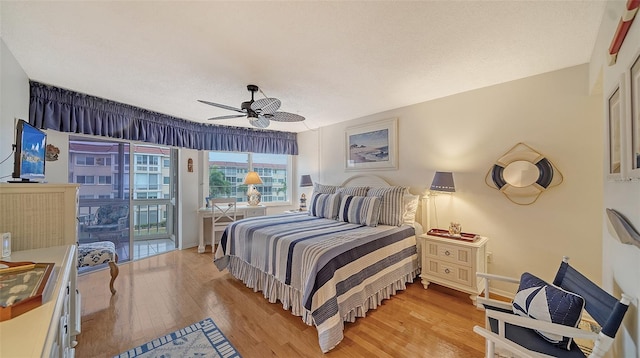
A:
(546, 316)
(110, 222)
(223, 212)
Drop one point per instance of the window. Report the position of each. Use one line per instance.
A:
(85, 179)
(104, 179)
(84, 160)
(166, 180)
(227, 171)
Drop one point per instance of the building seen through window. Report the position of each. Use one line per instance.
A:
(227, 172)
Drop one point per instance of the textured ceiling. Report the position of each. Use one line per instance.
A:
(327, 61)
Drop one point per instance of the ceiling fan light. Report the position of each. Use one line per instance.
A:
(259, 122)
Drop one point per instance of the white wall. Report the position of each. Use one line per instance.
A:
(14, 103)
(621, 263)
(190, 198)
(466, 133)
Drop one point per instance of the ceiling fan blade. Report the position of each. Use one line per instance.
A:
(222, 106)
(260, 122)
(266, 105)
(228, 117)
(285, 117)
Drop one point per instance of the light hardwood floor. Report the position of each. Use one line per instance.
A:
(164, 293)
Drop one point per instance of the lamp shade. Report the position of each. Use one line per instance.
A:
(443, 181)
(305, 180)
(252, 178)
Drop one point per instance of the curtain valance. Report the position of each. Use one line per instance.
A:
(68, 111)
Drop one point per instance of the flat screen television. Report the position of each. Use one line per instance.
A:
(29, 159)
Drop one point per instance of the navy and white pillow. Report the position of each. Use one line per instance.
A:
(539, 300)
(360, 210)
(324, 205)
(324, 189)
(352, 190)
(392, 208)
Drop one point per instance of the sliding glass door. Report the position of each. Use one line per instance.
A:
(127, 195)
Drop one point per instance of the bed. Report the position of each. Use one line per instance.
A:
(325, 267)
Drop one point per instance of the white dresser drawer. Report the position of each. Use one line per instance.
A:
(451, 253)
(450, 272)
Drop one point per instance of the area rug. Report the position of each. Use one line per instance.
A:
(202, 339)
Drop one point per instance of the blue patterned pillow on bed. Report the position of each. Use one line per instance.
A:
(391, 208)
(324, 205)
(324, 189)
(539, 300)
(352, 190)
(359, 210)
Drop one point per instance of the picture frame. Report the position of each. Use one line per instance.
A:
(372, 146)
(23, 285)
(633, 137)
(615, 111)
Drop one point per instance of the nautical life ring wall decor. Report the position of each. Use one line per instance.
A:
(522, 174)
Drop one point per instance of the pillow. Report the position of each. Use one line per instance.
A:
(359, 210)
(539, 300)
(324, 205)
(391, 209)
(324, 189)
(353, 190)
(409, 208)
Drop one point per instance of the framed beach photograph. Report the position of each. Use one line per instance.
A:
(372, 146)
(634, 129)
(615, 112)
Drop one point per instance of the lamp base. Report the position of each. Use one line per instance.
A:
(254, 196)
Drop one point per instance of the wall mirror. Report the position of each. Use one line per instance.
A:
(522, 174)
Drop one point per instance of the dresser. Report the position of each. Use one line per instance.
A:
(242, 211)
(453, 263)
(50, 329)
(39, 215)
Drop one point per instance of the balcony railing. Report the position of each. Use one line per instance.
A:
(149, 220)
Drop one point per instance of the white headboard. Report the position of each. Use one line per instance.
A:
(376, 181)
(366, 180)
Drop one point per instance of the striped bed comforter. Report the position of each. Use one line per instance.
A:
(336, 270)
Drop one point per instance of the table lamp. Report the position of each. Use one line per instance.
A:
(252, 179)
(442, 183)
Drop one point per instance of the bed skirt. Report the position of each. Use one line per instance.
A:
(291, 298)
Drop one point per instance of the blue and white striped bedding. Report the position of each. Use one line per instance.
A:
(326, 271)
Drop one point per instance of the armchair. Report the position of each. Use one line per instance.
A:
(109, 222)
(525, 336)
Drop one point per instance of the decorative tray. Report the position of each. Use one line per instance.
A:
(21, 287)
(445, 233)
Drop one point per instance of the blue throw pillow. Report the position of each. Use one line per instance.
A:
(539, 300)
(360, 210)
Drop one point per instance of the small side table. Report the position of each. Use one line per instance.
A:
(453, 263)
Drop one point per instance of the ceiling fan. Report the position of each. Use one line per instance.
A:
(259, 112)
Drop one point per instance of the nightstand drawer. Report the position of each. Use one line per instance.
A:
(451, 253)
(253, 212)
(461, 275)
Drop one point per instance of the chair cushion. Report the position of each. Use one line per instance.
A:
(96, 253)
(539, 300)
(359, 210)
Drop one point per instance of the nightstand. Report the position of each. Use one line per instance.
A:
(453, 263)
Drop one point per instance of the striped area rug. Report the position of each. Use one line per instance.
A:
(201, 339)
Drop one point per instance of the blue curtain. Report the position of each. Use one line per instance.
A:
(68, 111)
